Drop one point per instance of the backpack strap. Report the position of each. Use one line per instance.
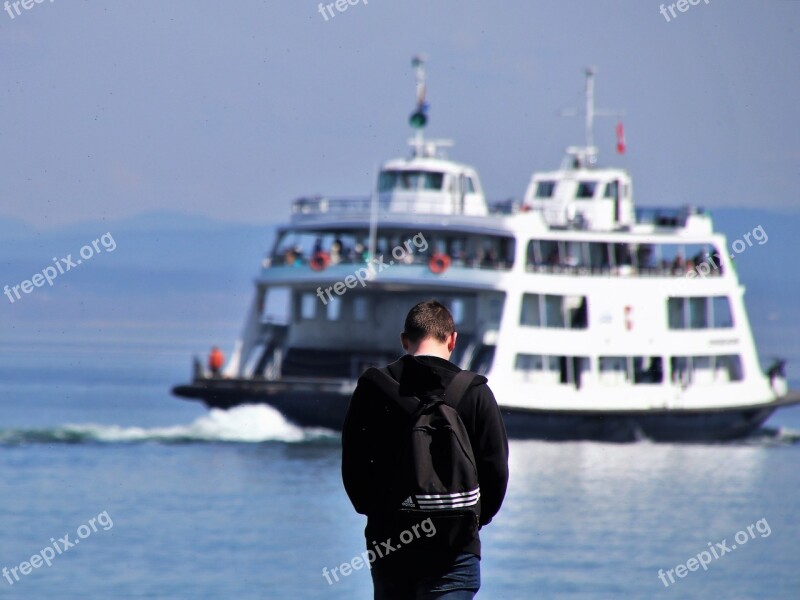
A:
(458, 387)
(453, 393)
(387, 384)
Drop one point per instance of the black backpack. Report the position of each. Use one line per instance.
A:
(437, 473)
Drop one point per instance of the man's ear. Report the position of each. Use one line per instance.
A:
(451, 341)
(404, 341)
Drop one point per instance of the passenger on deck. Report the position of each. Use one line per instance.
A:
(677, 264)
(215, 361)
(358, 254)
(490, 259)
(336, 252)
(289, 257)
(293, 256)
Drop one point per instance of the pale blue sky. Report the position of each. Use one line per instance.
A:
(231, 109)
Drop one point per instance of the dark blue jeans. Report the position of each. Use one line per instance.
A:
(460, 582)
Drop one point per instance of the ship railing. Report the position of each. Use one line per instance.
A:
(670, 217)
(618, 271)
(471, 262)
(325, 206)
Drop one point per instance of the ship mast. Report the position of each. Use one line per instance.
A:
(419, 118)
(587, 155)
(590, 107)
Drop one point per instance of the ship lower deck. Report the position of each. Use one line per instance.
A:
(323, 403)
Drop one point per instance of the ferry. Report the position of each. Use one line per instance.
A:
(591, 318)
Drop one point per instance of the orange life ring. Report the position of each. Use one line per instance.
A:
(439, 263)
(320, 261)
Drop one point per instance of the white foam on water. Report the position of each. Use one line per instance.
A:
(247, 423)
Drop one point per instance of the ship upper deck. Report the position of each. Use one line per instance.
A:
(508, 216)
(578, 219)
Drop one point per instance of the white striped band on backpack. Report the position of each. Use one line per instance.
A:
(445, 501)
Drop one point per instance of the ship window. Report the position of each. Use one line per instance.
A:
(457, 310)
(470, 185)
(410, 180)
(646, 257)
(702, 369)
(675, 315)
(613, 370)
(334, 309)
(699, 312)
(721, 308)
(612, 189)
(545, 368)
(706, 370)
(586, 189)
(407, 180)
(308, 306)
(647, 369)
(580, 365)
(360, 309)
(528, 362)
(600, 258)
(622, 255)
(547, 252)
(545, 189)
(559, 312)
(495, 309)
(617, 370)
(573, 253)
(681, 369)
(276, 305)
(598, 255)
(729, 365)
(432, 181)
(531, 313)
(576, 312)
(482, 361)
(553, 311)
(387, 180)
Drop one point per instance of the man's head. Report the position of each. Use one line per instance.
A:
(429, 329)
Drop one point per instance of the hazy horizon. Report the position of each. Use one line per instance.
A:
(113, 110)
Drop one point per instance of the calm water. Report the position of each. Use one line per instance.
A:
(244, 505)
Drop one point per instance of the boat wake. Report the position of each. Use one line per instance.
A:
(782, 436)
(242, 424)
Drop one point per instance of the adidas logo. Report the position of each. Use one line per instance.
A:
(408, 502)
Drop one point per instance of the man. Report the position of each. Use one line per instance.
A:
(444, 565)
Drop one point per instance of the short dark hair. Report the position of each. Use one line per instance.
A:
(429, 319)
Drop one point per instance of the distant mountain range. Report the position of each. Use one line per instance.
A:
(185, 271)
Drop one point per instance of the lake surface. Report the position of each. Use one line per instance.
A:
(192, 504)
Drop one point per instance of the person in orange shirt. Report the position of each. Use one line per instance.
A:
(215, 361)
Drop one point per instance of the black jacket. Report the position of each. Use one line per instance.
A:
(375, 428)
